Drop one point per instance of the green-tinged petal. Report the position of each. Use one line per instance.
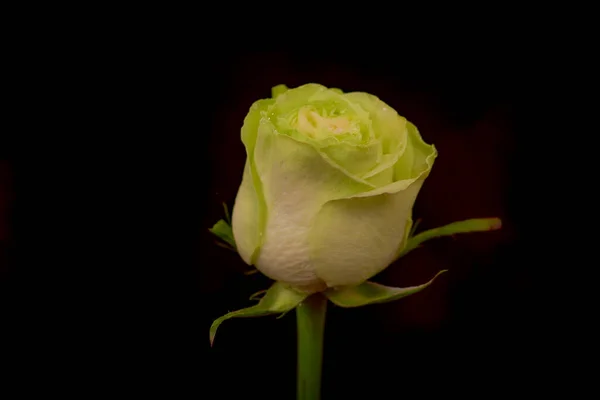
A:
(251, 123)
(280, 298)
(297, 181)
(355, 159)
(295, 98)
(223, 231)
(332, 97)
(372, 293)
(249, 211)
(278, 90)
(418, 156)
(470, 225)
(387, 124)
(385, 172)
(247, 216)
(355, 238)
(404, 151)
(414, 165)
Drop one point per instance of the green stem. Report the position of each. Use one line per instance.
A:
(310, 316)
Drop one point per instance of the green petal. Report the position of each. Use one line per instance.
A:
(353, 239)
(331, 97)
(387, 124)
(418, 157)
(293, 99)
(223, 231)
(355, 159)
(278, 299)
(383, 174)
(278, 90)
(247, 216)
(415, 164)
(470, 225)
(372, 293)
(297, 181)
(251, 123)
(249, 211)
(385, 168)
(356, 237)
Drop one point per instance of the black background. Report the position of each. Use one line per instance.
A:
(127, 304)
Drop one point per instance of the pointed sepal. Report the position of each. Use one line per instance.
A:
(469, 225)
(278, 299)
(372, 293)
(223, 231)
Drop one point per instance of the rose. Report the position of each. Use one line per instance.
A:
(328, 186)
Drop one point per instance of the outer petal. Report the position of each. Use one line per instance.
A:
(389, 127)
(416, 157)
(292, 99)
(356, 237)
(355, 158)
(297, 182)
(415, 163)
(246, 211)
(249, 211)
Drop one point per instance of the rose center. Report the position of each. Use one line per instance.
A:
(313, 124)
